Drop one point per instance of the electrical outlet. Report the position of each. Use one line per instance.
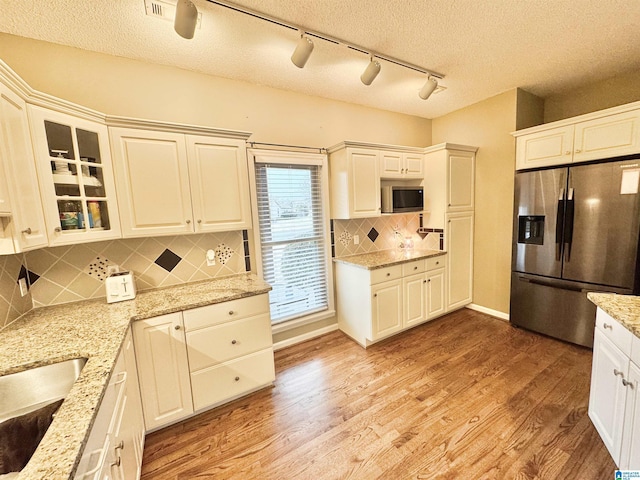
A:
(356, 239)
(211, 258)
(24, 288)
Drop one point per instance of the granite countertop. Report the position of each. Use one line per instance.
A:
(623, 308)
(94, 330)
(386, 258)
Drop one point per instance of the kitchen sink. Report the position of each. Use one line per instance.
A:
(28, 402)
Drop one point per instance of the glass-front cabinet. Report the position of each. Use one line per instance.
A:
(76, 177)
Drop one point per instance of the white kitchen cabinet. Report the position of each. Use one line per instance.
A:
(414, 299)
(163, 369)
(24, 225)
(460, 181)
(386, 309)
(605, 134)
(436, 287)
(459, 246)
(75, 176)
(401, 165)
(114, 445)
(170, 182)
(613, 398)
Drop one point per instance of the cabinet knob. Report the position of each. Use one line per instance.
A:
(568, 152)
(27, 231)
(578, 150)
(375, 294)
(233, 342)
(627, 384)
(388, 274)
(176, 327)
(437, 263)
(199, 220)
(617, 372)
(424, 281)
(237, 379)
(606, 325)
(57, 229)
(188, 221)
(231, 312)
(415, 268)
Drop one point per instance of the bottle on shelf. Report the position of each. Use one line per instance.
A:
(69, 218)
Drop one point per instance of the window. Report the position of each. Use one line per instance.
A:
(292, 233)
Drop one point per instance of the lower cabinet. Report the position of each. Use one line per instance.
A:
(459, 238)
(614, 406)
(374, 304)
(114, 447)
(193, 360)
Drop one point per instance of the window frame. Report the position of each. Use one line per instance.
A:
(286, 157)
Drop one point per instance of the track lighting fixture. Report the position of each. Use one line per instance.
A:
(186, 19)
(371, 72)
(302, 52)
(428, 88)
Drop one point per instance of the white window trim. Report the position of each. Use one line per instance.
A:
(294, 158)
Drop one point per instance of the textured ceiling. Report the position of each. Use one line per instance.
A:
(482, 47)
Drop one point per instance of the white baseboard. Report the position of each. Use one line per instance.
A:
(305, 336)
(489, 311)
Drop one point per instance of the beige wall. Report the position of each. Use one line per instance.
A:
(607, 93)
(487, 125)
(119, 86)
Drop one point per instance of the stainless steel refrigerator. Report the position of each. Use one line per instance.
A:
(575, 231)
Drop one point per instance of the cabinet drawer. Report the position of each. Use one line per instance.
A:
(412, 267)
(388, 273)
(224, 312)
(434, 263)
(614, 331)
(220, 343)
(231, 379)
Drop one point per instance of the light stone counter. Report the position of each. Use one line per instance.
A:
(623, 308)
(94, 330)
(386, 258)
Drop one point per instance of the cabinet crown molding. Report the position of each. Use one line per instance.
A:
(377, 146)
(160, 126)
(627, 107)
(450, 146)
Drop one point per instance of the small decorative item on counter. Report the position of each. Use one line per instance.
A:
(408, 243)
(69, 215)
(94, 212)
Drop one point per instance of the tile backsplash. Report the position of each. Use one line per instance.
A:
(12, 304)
(379, 233)
(77, 272)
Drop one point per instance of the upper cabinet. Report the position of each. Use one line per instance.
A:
(75, 174)
(357, 171)
(609, 133)
(24, 227)
(171, 183)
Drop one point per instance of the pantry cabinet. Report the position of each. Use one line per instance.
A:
(170, 182)
(459, 245)
(75, 177)
(23, 224)
(614, 408)
(605, 134)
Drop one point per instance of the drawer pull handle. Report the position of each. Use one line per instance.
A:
(627, 384)
(237, 379)
(27, 231)
(415, 268)
(116, 463)
(606, 325)
(120, 446)
(233, 342)
(617, 372)
(231, 312)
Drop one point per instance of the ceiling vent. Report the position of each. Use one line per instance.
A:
(166, 10)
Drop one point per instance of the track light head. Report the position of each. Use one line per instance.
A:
(371, 72)
(428, 88)
(186, 19)
(302, 52)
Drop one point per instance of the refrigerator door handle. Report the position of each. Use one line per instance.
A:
(559, 224)
(552, 284)
(568, 225)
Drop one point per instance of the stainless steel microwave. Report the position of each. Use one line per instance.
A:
(398, 199)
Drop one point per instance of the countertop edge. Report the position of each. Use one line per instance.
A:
(349, 260)
(623, 308)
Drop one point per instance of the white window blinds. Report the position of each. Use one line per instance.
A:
(292, 238)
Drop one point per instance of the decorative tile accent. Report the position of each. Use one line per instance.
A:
(345, 238)
(168, 260)
(373, 234)
(223, 253)
(97, 268)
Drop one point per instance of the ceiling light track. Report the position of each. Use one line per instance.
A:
(322, 36)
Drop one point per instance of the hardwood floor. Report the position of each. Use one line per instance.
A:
(465, 396)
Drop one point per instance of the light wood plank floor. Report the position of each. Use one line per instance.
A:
(465, 396)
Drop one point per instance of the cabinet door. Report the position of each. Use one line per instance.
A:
(386, 308)
(436, 305)
(219, 181)
(16, 155)
(161, 355)
(413, 165)
(365, 183)
(459, 238)
(541, 149)
(630, 454)
(76, 177)
(152, 178)
(414, 292)
(460, 181)
(607, 393)
(607, 137)
(391, 165)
